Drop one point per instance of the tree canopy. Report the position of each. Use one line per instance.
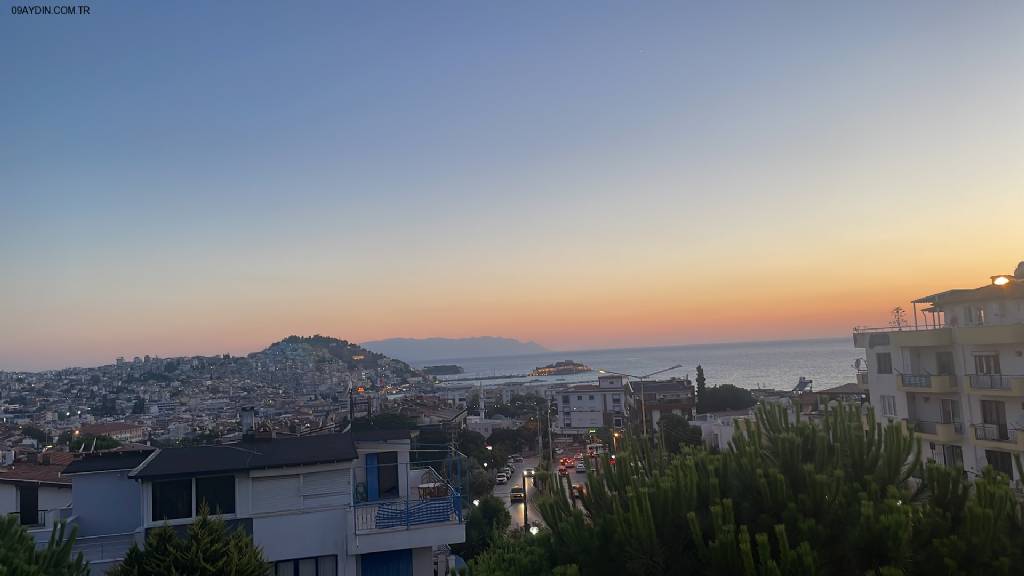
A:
(209, 549)
(848, 496)
(20, 557)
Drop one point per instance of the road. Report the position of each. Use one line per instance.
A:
(515, 509)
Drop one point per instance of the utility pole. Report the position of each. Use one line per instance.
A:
(540, 439)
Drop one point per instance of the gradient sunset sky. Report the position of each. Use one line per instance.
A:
(209, 177)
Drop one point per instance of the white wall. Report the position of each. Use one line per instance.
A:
(288, 536)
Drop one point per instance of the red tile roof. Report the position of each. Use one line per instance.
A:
(26, 472)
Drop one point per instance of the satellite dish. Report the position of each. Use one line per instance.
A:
(858, 364)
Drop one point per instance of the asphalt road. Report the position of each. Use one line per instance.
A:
(516, 509)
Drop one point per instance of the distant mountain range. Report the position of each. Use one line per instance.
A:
(424, 349)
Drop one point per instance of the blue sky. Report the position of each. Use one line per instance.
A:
(196, 177)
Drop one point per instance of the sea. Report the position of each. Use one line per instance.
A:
(777, 364)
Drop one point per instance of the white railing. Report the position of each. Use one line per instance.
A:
(992, 381)
(994, 433)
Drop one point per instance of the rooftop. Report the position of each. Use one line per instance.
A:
(37, 473)
(107, 461)
(248, 455)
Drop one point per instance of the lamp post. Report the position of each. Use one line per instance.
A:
(643, 400)
(526, 524)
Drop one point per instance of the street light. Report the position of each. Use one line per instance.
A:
(526, 507)
(476, 502)
(643, 402)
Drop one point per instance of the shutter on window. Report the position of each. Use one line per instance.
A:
(276, 494)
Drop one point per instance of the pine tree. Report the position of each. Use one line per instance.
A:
(20, 557)
(209, 549)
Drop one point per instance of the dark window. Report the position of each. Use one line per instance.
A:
(591, 397)
(565, 399)
(387, 474)
(28, 504)
(218, 492)
(322, 566)
(1001, 461)
(944, 362)
(883, 363)
(172, 499)
(579, 397)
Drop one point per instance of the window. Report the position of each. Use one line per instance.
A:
(591, 397)
(320, 566)
(944, 362)
(987, 364)
(28, 504)
(954, 456)
(617, 422)
(1001, 461)
(579, 397)
(883, 363)
(616, 399)
(172, 499)
(888, 405)
(217, 492)
(387, 474)
(565, 399)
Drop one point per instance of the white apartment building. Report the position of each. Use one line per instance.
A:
(329, 505)
(583, 407)
(955, 373)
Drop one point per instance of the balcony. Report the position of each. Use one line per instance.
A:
(430, 514)
(862, 380)
(1002, 385)
(908, 336)
(941, 432)
(990, 334)
(997, 437)
(927, 383)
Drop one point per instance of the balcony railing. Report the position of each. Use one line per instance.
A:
(406, 513)
(938, 428)
(994, 433)
(42, 518)
(938, 383)
(917, 380)
(429, 500)
(993, 381)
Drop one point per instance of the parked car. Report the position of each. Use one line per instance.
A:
(559, 450)
(508, 470)
(517, 493)
(581, 467)
(515, 458)
(501, 478)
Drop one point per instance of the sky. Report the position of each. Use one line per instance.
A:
(209, 177)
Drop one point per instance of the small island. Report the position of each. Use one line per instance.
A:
(443, 370)
(563, 368)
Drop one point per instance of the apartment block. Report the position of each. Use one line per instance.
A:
(953, 370)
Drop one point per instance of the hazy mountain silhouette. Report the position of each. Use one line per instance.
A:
(423, 349)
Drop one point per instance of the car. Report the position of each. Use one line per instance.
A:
(559, 450)
(501, 478)
(530, 472)
(581, 467)
(515, 458)
(508, 470)
(563, 471)
(517, 493)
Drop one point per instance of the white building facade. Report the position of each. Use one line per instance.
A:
(955, 374)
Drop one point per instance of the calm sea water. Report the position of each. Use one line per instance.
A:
(829, 362)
